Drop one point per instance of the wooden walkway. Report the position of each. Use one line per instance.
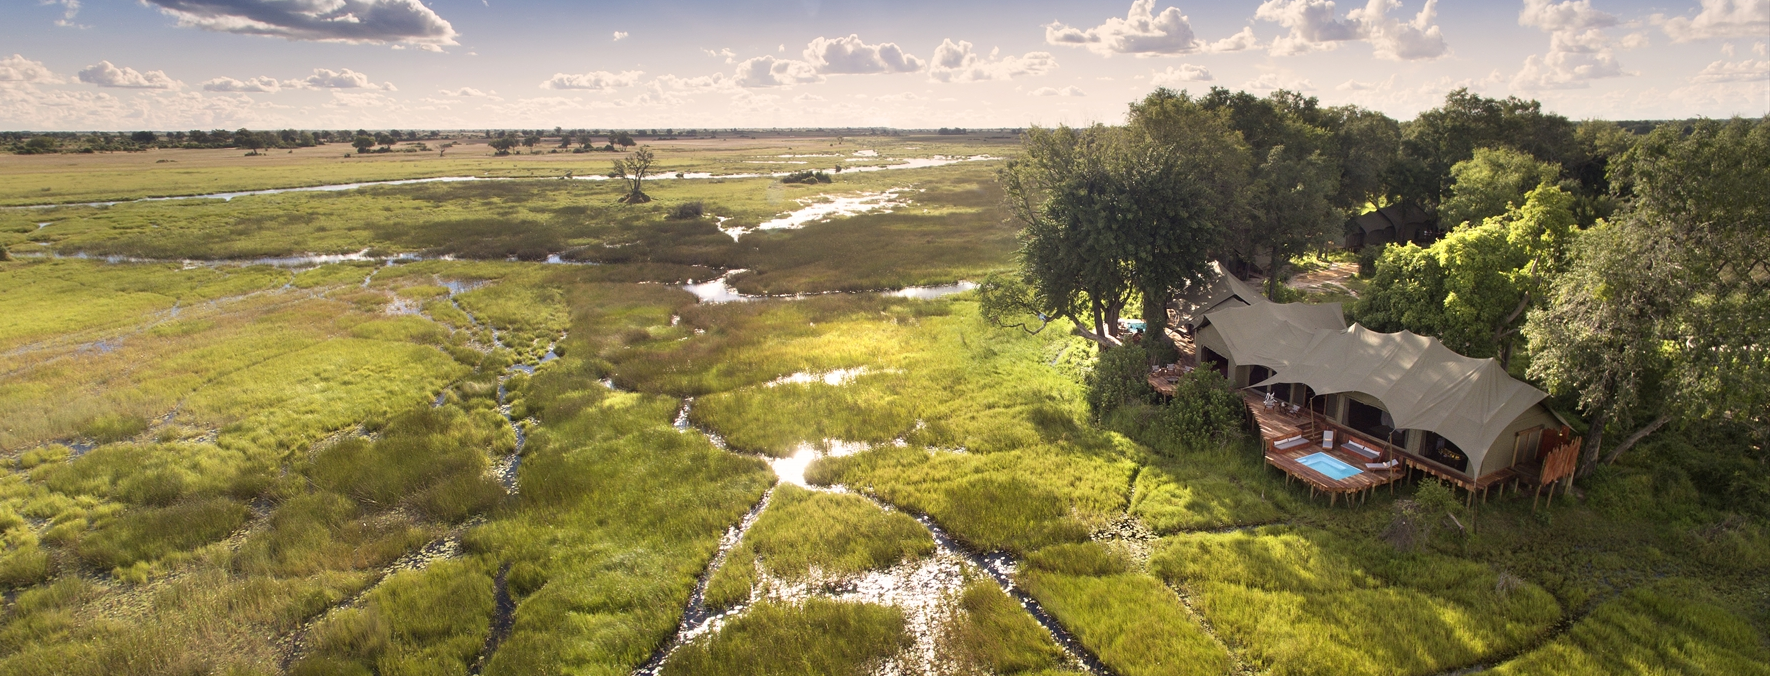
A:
(1278, 424)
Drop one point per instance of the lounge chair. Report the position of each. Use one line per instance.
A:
(1382, 465)
(1363, 450)
(1327, 439)
(1290, 443)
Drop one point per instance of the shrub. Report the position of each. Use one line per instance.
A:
(687, 211)
(1204, 414)
(807, 177)
(1121, 375)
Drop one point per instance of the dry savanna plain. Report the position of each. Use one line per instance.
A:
(512, 425)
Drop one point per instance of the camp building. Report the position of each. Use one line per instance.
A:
(1404, 395)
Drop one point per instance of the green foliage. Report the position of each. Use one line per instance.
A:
(1665, 628)
(324, 531)
(818, 638)
(1302, 601)
(1492, 182)
(1197, 491)
(433, 459)
(1130, 620)
(803, 532)
(807, 177)
(994, 634)
(1120, 376)
(426, 621)
(151, 533)
(1469, 288)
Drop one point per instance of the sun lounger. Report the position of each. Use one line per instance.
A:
(1382, 465)
(1327, 439)
(1363, 450)
(1293, 442)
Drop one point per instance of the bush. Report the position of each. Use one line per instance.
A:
(807, 177)
(1121, 375)
(1205, 414)
(687, 211)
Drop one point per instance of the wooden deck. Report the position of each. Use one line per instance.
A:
(1278, 423)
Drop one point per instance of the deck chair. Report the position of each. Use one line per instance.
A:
(1293, 442)
(1327, 439)
(1382, 465)
(1363, 450)
(1270, 401)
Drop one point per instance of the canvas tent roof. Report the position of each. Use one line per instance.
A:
(1272, 334)
(1419, 381)
(1223, 291)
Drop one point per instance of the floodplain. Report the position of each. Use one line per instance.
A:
(482, 427)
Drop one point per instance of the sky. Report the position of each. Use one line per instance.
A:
(470, 64)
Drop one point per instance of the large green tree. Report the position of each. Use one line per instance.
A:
(1439, 138)
(1491, 182)
(1664, 314)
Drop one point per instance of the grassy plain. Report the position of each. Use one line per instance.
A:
(227, 468)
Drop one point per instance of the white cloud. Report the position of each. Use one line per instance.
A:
(807, 98)
(619, 35)
(767, 71)
(1269, 81)
(599, 80)
(1743, 71)
(726, 53)
(852, 56)
(342, 99)
(267, 85)
(1173, 77)
(1053, 91)
(17, 68)
(1314, 26)
(1722, 19)
(106, 75)
(468, 93)
(1759, 48)
(70, 9)
(324, 78)
(1235, 43)
(1634, 41)
(1142, 32)
(376, 21)
(714, 81)
(1579, 51)
(956, 62)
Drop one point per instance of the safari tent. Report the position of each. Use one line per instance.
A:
(1461, 418)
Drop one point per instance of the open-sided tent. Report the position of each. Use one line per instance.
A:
(1421, 383)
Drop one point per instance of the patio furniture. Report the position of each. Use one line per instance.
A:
(1382, 465)
(1292, 442)
(1327, 439)
(1362, 449)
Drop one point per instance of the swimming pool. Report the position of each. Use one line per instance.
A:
(1329, 466)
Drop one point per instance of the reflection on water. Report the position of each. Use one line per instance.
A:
(850, 205)
(720, 290)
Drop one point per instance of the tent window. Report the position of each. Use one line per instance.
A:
(1257, 374)
(1216, 361)
(1301, 394)
(1439, 449)
(1368, 419)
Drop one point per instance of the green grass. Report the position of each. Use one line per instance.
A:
(1209, 489)
(1666, 628)
(1130, 620)
(430, 621)
(993, 634)
(803, 533)
(818, 638)
(1304, 601)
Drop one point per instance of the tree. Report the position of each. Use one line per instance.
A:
(503, 144)
(144, 137)
(1115, 213)
(632, 170)
(1472, 288)
(1439, 138)
(363, 143)
(1290, 208)
(1664, 313)
(1491, 182)
(385, 140)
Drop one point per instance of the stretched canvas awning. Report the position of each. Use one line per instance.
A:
(1273, 334)
(1420, 382)
(1224, 291)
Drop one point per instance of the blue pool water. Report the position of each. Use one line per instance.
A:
(1329, 466)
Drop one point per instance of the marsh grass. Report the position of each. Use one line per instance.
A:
(805, 533)
(993, 634)
(1304, 601)
(819, 637)
(1136, 625)
(427, 621)
(1672, 627)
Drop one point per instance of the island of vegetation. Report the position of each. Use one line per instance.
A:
(1245, 385)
